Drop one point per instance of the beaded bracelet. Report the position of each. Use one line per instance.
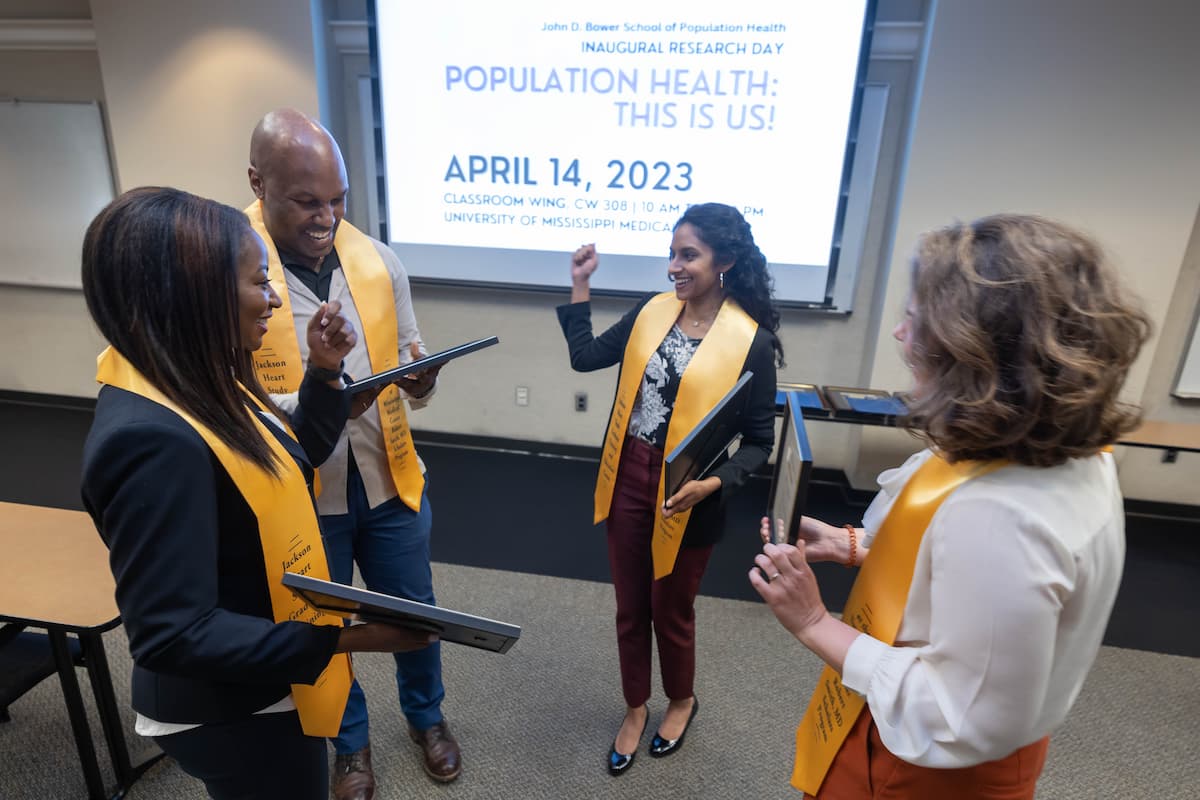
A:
(850, 529)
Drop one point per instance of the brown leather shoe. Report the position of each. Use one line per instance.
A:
(352, 777)
(443, 761)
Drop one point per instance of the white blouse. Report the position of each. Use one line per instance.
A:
(1014, 583)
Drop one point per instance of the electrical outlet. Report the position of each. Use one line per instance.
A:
(522, 395)
(581, 401)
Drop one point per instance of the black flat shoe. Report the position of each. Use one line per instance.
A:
(660, 747)
(619, 763)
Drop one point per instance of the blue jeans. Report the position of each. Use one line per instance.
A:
(390, 543)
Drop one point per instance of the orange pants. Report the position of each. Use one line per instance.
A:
(864, 769)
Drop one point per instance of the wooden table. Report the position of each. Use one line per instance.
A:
(1169, 436)
(56, 577)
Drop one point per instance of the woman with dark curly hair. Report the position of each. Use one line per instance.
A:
(991, 559)
(680, 352)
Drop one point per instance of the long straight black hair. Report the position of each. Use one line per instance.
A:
(160, 276)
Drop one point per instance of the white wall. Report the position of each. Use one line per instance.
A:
(182, 86)
(1143, 474)
(1082, 110)
(185, 83)
(52, 343)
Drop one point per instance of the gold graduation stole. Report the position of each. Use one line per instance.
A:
(278, 362)
(711, 373)
(876, 607)
(287, 528)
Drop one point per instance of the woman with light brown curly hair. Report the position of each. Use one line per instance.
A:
(991, 559)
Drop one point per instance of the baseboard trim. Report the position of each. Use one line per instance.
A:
(820, 475)
(825, 476)
(499, 444)
(1157, 510)
(42, 400)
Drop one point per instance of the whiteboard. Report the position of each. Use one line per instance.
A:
(1188, 383)
(55, 174)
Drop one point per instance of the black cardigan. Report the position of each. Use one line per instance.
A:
(185, 552)
(590, 352)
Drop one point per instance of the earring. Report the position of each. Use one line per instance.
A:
(721, 279)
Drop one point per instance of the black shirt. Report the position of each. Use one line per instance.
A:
(318, 280)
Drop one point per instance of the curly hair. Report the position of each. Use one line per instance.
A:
(1023, 337)
(748, 281)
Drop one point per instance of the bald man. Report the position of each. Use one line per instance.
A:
(373, 505)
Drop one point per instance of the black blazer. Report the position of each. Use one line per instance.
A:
(185, 552)
(589, 352)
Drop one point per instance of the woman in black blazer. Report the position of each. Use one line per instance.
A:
(679, 353)
(184, 447)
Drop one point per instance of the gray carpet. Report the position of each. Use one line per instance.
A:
(537, 722)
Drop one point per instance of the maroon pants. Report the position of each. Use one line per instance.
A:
(863, 769)
(666, 605)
